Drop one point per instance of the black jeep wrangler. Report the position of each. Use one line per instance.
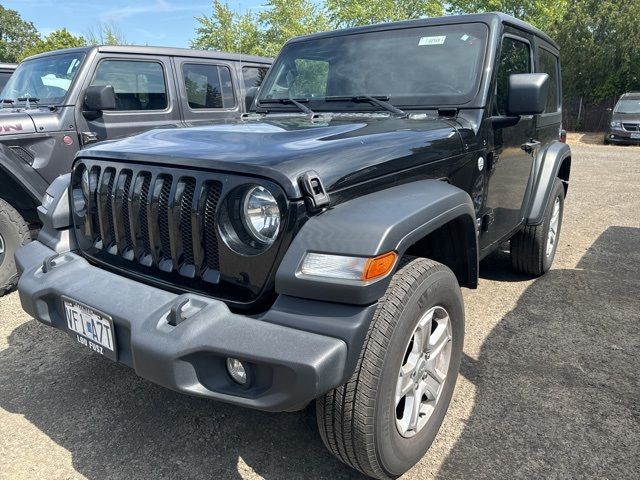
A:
(61, 101)
(315, 249)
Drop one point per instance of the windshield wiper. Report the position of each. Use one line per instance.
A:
(6, 100)
(380, 101)
(291, 101)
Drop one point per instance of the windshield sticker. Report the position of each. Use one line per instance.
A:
(464, 38)
(432, 40)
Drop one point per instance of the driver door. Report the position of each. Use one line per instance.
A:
(511, 167)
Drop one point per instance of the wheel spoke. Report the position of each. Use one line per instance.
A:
(405, 384)
(422, 333)
(439, 339)
(415, 407)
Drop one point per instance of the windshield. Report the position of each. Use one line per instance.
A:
(411, 67)
(47, 78)
(628, 106)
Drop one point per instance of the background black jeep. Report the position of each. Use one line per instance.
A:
(315, 250)
(60, 101)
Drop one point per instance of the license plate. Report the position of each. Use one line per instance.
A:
(635, 136)
(90, 328)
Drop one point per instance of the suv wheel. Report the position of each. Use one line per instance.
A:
(383, 420)
(14, 232)
(534, 247)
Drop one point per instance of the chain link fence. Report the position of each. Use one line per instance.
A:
(580, 116)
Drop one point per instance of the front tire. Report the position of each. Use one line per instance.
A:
(384, 419)
(14, 232)
(533, 249)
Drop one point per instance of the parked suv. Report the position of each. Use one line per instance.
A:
(315, 250)
(58, 102)
(625, 121)
(6, 69)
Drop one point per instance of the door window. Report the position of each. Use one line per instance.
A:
(208, 86)
(549, 64)
(515, 58)
(137, 85)
(253, 76)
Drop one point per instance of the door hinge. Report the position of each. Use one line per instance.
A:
(487, 219)
(315, 196)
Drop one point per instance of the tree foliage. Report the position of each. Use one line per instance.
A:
(350, 13)
(16, 35)
(106, 34)
(55, 41)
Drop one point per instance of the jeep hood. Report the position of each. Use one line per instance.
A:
(343, 150)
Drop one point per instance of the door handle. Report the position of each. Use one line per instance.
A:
(530, 146)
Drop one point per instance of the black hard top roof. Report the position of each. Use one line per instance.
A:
(492, 19)
(169, 51)
(8, 66)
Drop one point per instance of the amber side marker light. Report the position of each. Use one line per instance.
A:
(379, 266)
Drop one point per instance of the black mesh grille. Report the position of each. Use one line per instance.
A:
(142, 215)
(185, 220)
(109, 206)
(163, 217)
(125, 211)
(214, 189)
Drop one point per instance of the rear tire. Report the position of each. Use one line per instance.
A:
(14, 233)
(367, 422)
(534, 247)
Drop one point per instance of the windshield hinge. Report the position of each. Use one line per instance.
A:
(315, 196)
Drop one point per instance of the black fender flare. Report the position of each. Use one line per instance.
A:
(393, 219)
(22, 174)
(548, 164)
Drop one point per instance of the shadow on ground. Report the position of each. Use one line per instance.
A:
(558, 379)
(557, 395)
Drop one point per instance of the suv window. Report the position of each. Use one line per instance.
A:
(253, 76)
(137, 85)
(4, 77)
(208, 86)
(515, 58)
(549, 65)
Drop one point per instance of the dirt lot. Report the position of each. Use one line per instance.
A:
(550, 384)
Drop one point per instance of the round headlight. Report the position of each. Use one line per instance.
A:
(261, 214)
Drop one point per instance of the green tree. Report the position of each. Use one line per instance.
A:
(541, 13)
(106, 34)
(55, 41)
(16, 35)
(599, 43)
(261, 33)
(227, 31)
(350, 13)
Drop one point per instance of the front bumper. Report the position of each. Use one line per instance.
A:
(621, 137)
(296, 351)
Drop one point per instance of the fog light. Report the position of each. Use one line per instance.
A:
(237, 371)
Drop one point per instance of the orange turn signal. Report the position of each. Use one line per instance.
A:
(379, 266)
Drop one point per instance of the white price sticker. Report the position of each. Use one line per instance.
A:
(432, 40)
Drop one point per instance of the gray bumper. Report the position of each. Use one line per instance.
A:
(289, 365)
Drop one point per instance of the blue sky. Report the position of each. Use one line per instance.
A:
(152, 22)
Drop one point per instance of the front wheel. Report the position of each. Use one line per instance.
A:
(14, 232)
(384, 419)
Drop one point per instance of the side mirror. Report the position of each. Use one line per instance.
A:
(98, 98)
(250, 96)
(527, 94)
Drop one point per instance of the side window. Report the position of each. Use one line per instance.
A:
(208, 86)
(137, 85)
(549, 64)
(253, 76)
(514, 58)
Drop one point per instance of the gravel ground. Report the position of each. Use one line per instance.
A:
(549, 388)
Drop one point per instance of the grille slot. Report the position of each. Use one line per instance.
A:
(163, 218)
(631, 127)
(185, 220)
(142, 215)
(214, 190)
